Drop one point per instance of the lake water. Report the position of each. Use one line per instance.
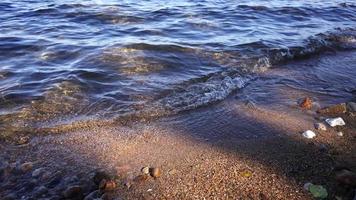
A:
(63, 61)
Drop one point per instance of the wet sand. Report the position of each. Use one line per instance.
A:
(235, 149)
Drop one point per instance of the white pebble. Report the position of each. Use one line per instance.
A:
(340, 134)
(335, 121)
(309, 134)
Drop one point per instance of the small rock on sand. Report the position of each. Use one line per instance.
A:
(155, 172)
(309, 134)
(320, 126)
(22, 140)
(340, 134)
(145, 170)
(335, 121)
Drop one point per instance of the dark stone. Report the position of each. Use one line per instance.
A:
(98, 176)
(73, 192)
(351, 106)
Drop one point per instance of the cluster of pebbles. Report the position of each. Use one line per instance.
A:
(23, 181)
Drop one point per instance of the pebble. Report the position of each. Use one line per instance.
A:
(73, 192)
(99, 175)
(335, 109)
(145, 170)
(22, 140)
(107, 185)
(335, 121)
(25, 167)
(340, 134)
(351, 106)
(309, 134)
(38, 172)
(306, 186)
(306, 103)
(155, 172)
(320, 126)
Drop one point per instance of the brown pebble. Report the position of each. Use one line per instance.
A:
(73, 192)
(22, 140)
(306, 103)
(107, 185)
(25, 167)
(333, 110)
(155, 172)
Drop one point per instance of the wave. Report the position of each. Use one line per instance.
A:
(115, 92)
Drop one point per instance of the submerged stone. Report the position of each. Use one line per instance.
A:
(25, 167)
(306, 103)
(351, 106)
(333, 110)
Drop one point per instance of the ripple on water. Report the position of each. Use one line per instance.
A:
(149, 59)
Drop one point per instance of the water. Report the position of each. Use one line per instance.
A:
(63, 61)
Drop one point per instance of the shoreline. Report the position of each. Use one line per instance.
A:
(249, 146)
(272, 167)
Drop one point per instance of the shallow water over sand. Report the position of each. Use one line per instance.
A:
(67, 61)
